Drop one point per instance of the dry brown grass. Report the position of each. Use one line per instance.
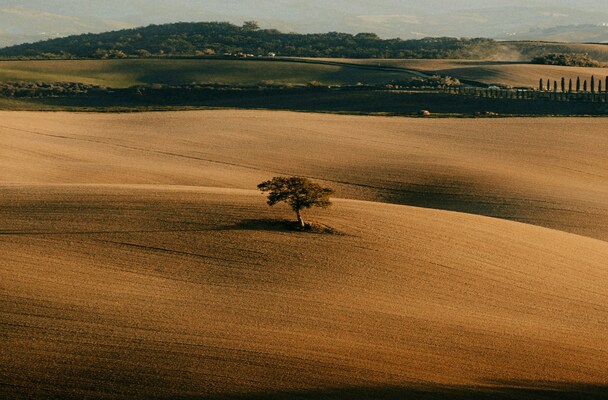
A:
(123, 275)
(516, 74)
(519, 75)
(160, 291)
(548, 172)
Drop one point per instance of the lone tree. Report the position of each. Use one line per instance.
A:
(297, 192)
(250, 26)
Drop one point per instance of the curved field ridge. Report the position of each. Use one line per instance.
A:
(126, 73)
(550, 172)
(142, 292)
(512, 73)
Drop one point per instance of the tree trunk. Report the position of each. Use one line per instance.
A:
(300, 220)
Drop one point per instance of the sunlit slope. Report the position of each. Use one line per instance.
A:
(548, 172)
(512, 73)
(126, 73)
(522, 75)
(162, 291)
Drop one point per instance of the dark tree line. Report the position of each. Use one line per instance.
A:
(567, 60)
(207, 38)
(71, 89)
(47, 89)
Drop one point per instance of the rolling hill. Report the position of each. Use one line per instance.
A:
(511, 73)
(501, 62)
(168, 292)
(139, 261)
(513, 168)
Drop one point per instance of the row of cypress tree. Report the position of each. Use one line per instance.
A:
(594, 86)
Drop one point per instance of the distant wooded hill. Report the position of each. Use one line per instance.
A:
(186, 39)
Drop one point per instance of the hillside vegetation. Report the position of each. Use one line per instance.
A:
(531, 49)
(567, 60)
(206, 38)
(218, 38)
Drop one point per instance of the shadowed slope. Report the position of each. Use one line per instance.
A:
(548, 172)
(113, 291)
(126, 73)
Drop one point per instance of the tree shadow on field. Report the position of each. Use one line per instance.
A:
(280, 225)
(497, 391)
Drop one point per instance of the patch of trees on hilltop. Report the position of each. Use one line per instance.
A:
(208, 38)
(567, 60)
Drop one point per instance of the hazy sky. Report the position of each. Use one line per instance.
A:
(27, 20)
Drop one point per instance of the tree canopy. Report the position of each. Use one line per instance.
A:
(188, 39)
(297, 192)
(568, 60)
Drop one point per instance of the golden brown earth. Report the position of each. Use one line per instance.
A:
(510, 73)
(138, 261)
